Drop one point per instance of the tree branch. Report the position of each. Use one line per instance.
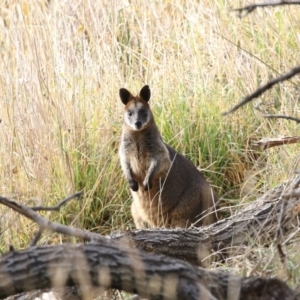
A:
(59, 205)
(45, 224)
(244, 11)
(264, 88)
(108, 266)
(36, 238)
(297, 120)
(266, 143)
(256, 223)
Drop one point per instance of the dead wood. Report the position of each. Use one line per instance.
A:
(256, 223)
(243, 11)
(297, 120)
(45, 224)
(261, 222)
(114, 263)
(264, 88)
(109, 266)
(266, 143)
(59, 205)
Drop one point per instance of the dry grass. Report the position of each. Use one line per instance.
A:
(63, 63)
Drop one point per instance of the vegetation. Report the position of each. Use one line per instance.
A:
(62, 65)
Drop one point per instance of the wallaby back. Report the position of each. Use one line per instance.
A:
(167, 189)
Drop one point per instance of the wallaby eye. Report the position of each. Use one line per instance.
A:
(143, 113)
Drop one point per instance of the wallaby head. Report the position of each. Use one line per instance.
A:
(137, 114)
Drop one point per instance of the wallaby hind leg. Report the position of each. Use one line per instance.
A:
(138, 221)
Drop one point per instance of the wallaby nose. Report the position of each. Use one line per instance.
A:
(138, 124)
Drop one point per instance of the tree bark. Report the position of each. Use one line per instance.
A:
(257, 223)
(114, 263)
(121, 267)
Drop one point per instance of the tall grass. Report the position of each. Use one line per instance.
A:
(63, 63)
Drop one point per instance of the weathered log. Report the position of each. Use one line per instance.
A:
(104, 266)
(115, 264)
(258, 223)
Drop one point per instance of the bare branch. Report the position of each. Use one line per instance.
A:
(264, 88)
(45, 224)
(59, 205)
(244, 11)
(36, 238)
(266, 143)
(282, 255)
(297, 120)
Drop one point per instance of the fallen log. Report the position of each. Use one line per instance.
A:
(257, 223)
(270, 218)
(104, 266)
(114, 263)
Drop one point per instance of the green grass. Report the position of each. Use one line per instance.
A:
(61, 70)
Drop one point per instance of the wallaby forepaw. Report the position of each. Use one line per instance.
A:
(134, 185)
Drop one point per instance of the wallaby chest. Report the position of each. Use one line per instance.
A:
(141, 149)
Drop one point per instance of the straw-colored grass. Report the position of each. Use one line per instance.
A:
(63, 62)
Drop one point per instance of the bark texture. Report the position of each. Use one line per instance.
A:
(150, 276)
(115, 263)
(271, 217)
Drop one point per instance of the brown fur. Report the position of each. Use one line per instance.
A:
(167, 189)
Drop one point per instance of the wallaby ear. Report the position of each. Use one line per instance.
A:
(145, 93)
(125, 96)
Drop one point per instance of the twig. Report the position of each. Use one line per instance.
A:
(282, 255)
(297, 120)
(245, 51)
(266, 143)
(36, 238)
(264, 88)
(59, 205)
(51, 208)
(244, 11)
(45, 224)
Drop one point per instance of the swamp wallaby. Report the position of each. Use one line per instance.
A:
(167, 189)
